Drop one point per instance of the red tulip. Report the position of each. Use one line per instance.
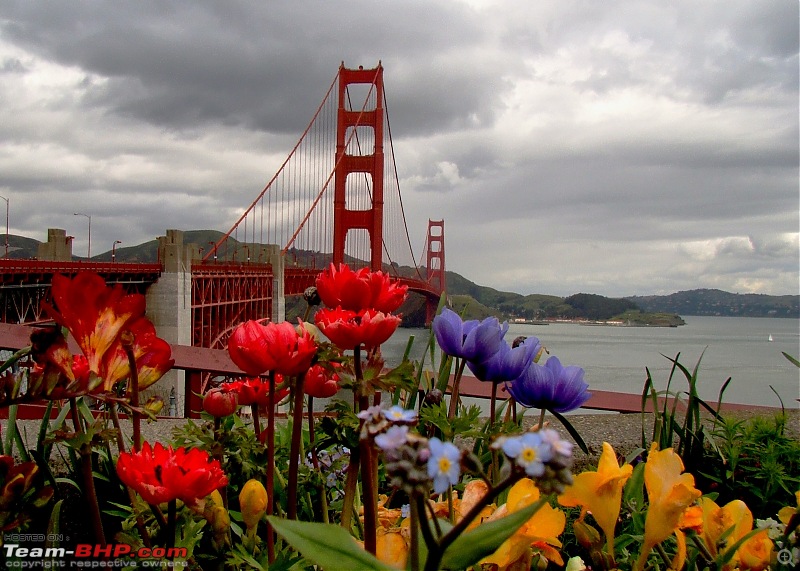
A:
(279, 347)
(348, 329)
(219, 402)
(321, 382)
(387, 294)
(256, 391)
(162, 474)
(343, 287)
(359, 290)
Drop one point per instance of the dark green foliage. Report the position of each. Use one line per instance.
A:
(597, 307)
(755, 461)
(716, 302)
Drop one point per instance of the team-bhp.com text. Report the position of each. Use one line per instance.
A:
(93, 556)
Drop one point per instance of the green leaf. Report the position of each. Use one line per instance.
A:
(791, 359)
(471, 547)
(54, 530)
(571, 429)
(725, 557)
(634, 489)
(326, 545)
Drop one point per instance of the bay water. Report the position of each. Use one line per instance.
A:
(615, 358)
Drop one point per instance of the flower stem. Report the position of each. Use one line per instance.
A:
(418, 501)
(294, 447)
(323, 494)
(350, 485)
(217, 451)
(88, 478)
(541, 418)
(172, 516)
(368, 466)
(413, 548)
(256, 420)
(271, 465)
(127, 344)
(131, 497)
(460, 364)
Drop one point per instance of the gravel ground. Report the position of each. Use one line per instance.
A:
(623, 431)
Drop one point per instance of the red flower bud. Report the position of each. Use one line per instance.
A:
(321, 382)
(219, 402)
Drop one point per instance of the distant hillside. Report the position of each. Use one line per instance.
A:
(714, 302)
(19, 247)
(477, 302)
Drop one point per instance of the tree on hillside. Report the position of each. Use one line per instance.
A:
(597, 307)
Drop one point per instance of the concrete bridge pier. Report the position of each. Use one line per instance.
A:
(58, 247)
(169, 305)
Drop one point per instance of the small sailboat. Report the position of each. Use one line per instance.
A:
(770, 337)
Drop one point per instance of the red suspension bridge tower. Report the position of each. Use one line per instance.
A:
(354, 162)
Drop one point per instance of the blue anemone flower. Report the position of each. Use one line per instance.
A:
(550, 386)
(507, 363)
(471, 340)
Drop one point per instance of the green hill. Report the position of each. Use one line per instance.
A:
(714, 302)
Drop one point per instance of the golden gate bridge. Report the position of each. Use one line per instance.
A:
(335, 198)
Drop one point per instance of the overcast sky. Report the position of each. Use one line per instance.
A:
(619, 148)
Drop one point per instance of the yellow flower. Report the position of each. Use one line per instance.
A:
(253, 503)
(541, 531)
(600, 492)
(669, 493)
(392, 547)
(754, 554)
(692, 519)
(785, 514)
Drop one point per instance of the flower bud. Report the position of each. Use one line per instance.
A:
(433, 397)
(220, 522)
(219, 403)
(154, 405)
(253, 502)
(311, 295)
(587, 536)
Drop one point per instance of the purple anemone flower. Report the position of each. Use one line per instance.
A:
(471, 340)
(550, 386)
(507, 364)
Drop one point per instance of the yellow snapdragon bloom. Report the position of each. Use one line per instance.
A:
(600, 493)
(540, 532)
(669, 492)
(754, 554)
